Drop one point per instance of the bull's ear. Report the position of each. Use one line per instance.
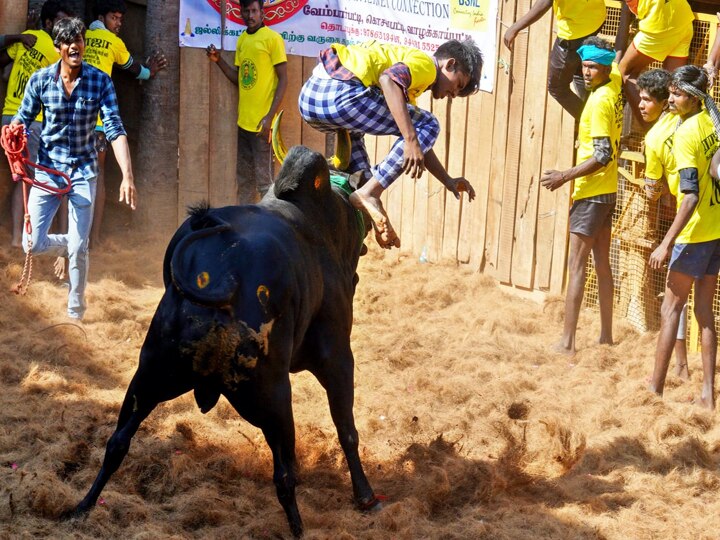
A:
(322, 180)
(304, 174)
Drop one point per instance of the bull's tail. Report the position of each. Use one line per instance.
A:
(197, 268)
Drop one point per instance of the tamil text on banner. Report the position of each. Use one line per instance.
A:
(309, 26)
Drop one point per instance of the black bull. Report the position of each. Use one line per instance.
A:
(253, 293)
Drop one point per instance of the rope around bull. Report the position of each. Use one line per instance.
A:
(13, 139)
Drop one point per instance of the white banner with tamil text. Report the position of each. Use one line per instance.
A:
(308, 26)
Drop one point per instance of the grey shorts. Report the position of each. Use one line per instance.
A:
(589, 218)
(696, 260)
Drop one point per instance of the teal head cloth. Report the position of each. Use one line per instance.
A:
(592, 53)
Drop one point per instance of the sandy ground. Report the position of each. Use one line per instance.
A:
(468, 426)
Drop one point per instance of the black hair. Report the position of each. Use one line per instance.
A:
(655, 82)
(600, 43)
(66, 30)
(50, 10)
(246, 3)
(691, 75)
(468, 58)
(103, 7)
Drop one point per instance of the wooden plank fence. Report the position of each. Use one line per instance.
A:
(501, 141)
(513, 230)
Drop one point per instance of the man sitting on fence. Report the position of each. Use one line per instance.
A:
(695, 231)
(576, 21)
(665, 34)
(371, 88)
(595, 190)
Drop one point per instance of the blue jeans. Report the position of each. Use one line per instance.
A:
(42, 207)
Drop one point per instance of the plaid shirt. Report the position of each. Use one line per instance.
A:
(68, 133)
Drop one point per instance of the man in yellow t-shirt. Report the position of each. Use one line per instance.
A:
(595, 188)
(576, 20)
(260, 73)
(695, 231)
(372, 88)
(27, 60)
(666, 30)
(660, 168)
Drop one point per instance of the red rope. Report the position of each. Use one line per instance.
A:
(13, 139)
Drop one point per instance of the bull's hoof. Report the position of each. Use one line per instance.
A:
(296, 529)
(373, 504)
(74, 513)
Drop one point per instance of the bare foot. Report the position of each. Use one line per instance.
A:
(681, 370)
(561, 348)
(704, 402)
(384, 232)
(59, 267)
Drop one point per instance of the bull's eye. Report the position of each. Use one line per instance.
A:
(318, 182)
(263, 294)
(203, 278)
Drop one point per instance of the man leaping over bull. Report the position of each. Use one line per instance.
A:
(371, 88)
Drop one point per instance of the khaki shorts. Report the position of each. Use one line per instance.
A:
(674, 42)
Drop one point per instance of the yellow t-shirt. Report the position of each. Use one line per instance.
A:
(602, 116)
(694, 144)
(367, 61)
(256, 56)
(103, 50)
(659, 157)
(27, 62)
(656, 16)
(578, 18)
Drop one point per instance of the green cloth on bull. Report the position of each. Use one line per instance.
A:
(340, 181)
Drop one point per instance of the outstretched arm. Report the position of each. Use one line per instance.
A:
(230, 72)
(152, 65)
(454, 185)
(535, 13)
(28, 40)
(553, 180)
(121, 149)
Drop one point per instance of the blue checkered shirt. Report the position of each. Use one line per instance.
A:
(68, 128)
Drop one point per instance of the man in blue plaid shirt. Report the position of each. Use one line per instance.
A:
(70, 94)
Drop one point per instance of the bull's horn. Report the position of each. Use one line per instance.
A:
(343, 149)
(277, 142)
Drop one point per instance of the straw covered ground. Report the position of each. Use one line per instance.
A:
(468, 426)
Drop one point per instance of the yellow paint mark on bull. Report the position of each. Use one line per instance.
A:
(203, 278)
(263, 295)
(262, 337)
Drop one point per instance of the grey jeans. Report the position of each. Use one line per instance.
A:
(254, 167)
